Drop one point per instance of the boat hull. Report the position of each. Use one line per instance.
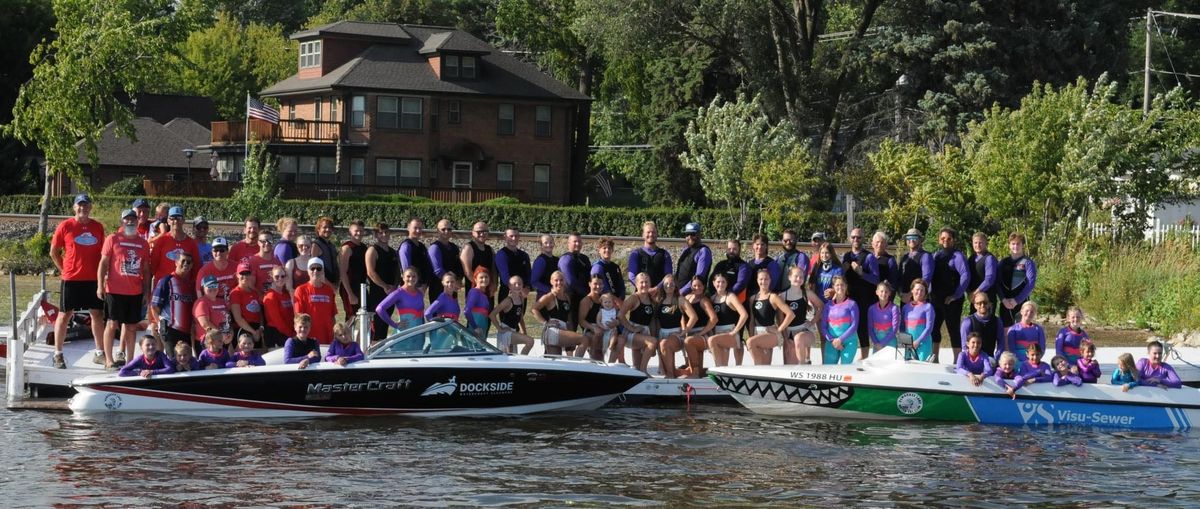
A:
(499, 385)
(918, 391)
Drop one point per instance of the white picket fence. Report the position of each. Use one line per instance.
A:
(1155, 234)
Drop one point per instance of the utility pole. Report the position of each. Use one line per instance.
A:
(1146, 67)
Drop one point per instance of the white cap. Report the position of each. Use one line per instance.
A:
(315, 262)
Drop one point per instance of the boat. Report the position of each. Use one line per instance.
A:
(886, 387)
(435, 369)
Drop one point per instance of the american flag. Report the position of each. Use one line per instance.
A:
(256, 109)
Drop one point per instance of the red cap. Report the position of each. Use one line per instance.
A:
(244, 267)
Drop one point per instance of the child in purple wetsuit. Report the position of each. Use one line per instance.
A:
(445, 305)
(409, 302)
(214, 355)
(1006, 374)
(343, 350)
(1025, 333)
(184, 361)
(1089, 369)
(1153, 372)
(151, 361)
(302, 349)
(245, 355)
(1072, 337)
(883, 318)
(1033, 370)
(917, 318)
(1063, 374)
(973, 362)
(479, 305)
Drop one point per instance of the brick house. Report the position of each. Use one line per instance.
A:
(384, 108)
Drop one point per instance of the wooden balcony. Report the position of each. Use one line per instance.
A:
(233, 132)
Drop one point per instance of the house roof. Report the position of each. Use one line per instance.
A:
(157, 146)
(357, 30)
(402, 68)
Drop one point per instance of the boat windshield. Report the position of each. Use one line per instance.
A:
(434, 339)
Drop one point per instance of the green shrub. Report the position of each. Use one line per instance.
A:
(126, 186)
(503, 200)
(31, 256)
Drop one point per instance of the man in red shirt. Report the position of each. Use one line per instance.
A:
(220, 268)
(247, 247)
(142, 207)
(263, 262)
(75, 250)
(123, 285)
(165, 248)
(316, 299)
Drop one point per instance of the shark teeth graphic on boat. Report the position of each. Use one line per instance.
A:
(806, 393)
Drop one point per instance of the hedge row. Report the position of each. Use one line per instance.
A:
(530, 218)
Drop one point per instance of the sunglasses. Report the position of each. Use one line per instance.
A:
(481, 231)
(315, 269)
(855, 237)
(446, 229)
(185, 262)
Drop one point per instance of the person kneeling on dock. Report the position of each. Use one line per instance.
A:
(1153, 371)
(302, 349)
(151, 362)
(974, 362)
(343, 350)
(245, 355)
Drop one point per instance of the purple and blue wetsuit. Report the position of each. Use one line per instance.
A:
(444, 306)
(409, 309)
(701, 265)
(1164, 372)
(822, 278)
(918, 323)
(979, 365)
(840, 321)
(539, 276)
(1089, 372)
(159, 365)
(609, 272)
(635, 265)
(1069, 378)
(884, 322)
(876, 272)
(207, 358)
(296, 350)
(1039, 373)
(1021, 336)
(1007, 379)
(253, 359)
(479, 309)
(351, 351)
(1122, 378)
(1068, 342)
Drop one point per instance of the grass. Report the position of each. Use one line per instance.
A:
(27, 286)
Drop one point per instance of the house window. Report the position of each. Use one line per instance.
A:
(328, 174)
(507, 119)
(450, 66)
(287, 169)
(358, 109)
(411, 115)
(358, 168)
(541, 122)
(387, 112)
(333, 109)
(291, 110)
(504, 176)
(317, 109)
(410, 172)
(310, 54)
(462, 174)
(468, 67)
(308, 170)
(453, 112)
(385, 172)
(541, 181)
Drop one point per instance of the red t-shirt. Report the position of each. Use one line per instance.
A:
(319, 304)
(216, 311)
(277, 306)
(240, 251)
(249, 302)
(227, 277)
(81, 245)
(128, 263)
(262, 270)
(164, 250)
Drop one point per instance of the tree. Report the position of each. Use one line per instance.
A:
(104, 49)
(916, 188)
(227, 60)
(24, 25)
(260, 183)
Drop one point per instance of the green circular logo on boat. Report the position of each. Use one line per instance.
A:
(909, 403)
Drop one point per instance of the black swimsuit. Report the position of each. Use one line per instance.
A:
(764, 313)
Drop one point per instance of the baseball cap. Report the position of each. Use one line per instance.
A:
(818, 236)
(175, 212)
(210, 281)
(315, 262)
(128, 213)
(82, 198)
(691, 228)
(199, 220)
(244, 267)
(913, 234)
(140, 202)
(220, 241)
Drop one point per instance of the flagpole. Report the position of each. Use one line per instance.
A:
(246, 152)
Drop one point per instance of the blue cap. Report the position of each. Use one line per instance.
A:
(220, 241)
(140, 202)
(691, 228)
(210, 281)
(82, 198)
(175, 212)
(128, 213)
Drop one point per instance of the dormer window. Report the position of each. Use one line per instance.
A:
(310, 54)
(450, 67)
(458, 66)
(468, 67)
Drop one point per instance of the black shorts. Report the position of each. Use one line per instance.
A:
(171, 337)
(123, 309)
(79, 295)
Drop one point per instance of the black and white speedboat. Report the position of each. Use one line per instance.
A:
(436, 369)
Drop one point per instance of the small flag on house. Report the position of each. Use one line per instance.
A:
(256, 109)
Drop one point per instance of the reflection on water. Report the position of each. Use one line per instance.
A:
(710, 455)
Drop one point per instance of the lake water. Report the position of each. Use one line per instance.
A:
(670, 455)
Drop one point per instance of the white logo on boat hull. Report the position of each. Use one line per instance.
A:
(112, 401)
(442, 389)
(909, 403)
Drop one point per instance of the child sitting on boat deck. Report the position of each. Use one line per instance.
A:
(1033, 370)
(1089, 369)
(1007, 375)
(1126, 374)
(245, 354)
(1070, 339)
(343, 350)
(214, 355)
(1064, 372)
(1152, 371)
(301, 349)
(184, 360)
(151, 361)
(973, 362)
